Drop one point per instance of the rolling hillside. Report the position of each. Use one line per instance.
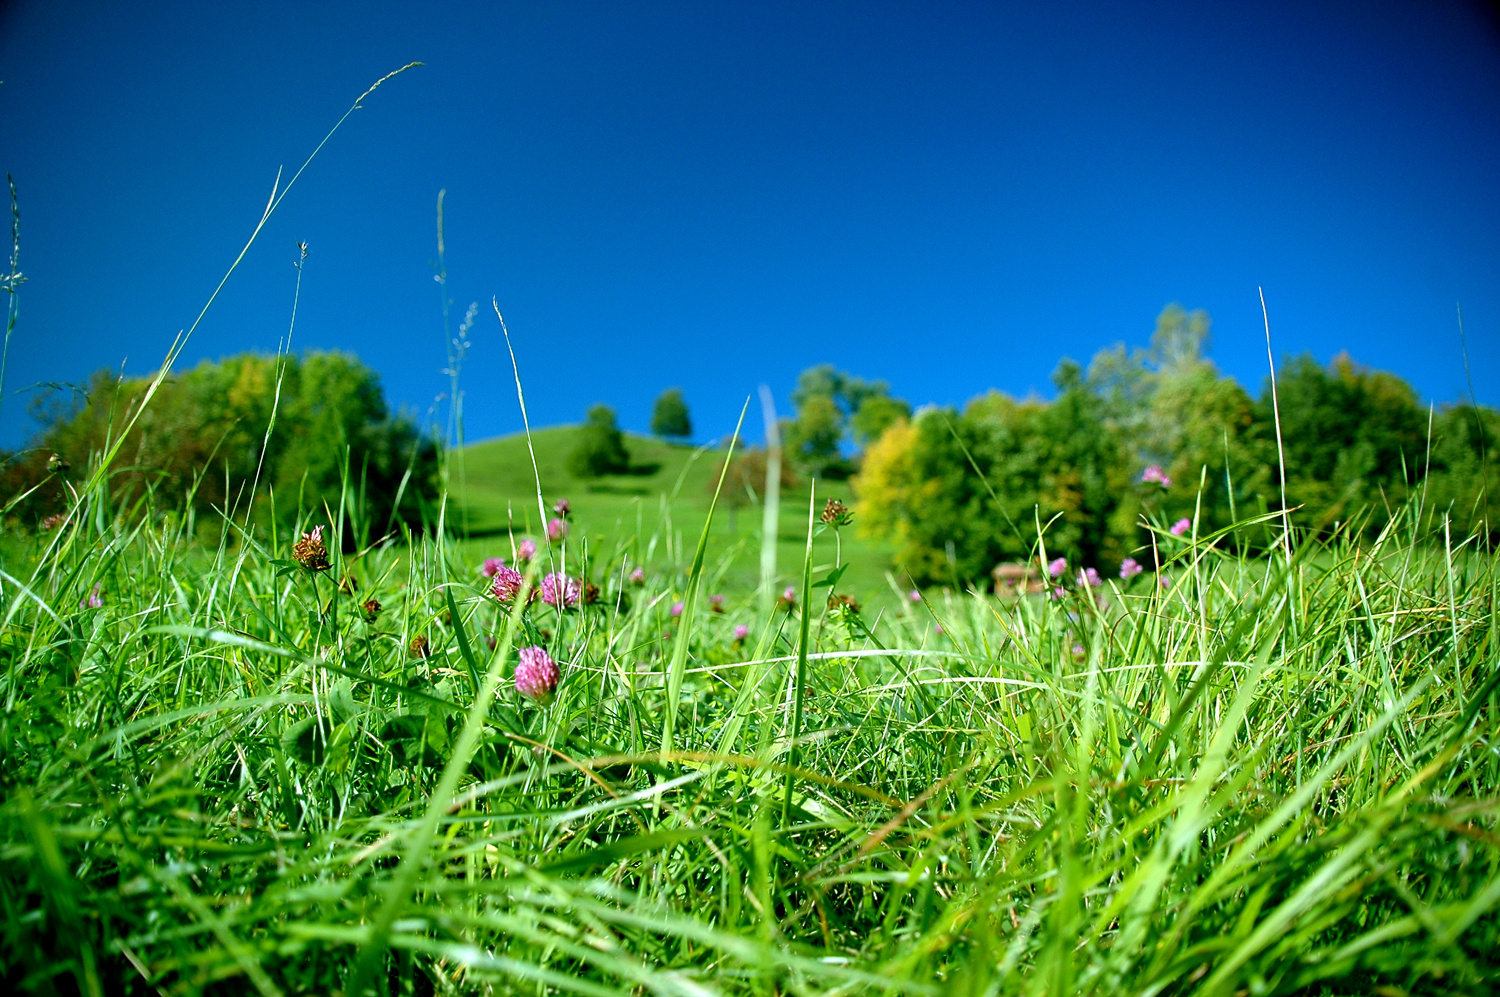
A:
(653, 515)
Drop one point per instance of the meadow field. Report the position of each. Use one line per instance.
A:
(663, 503)
(255, 765)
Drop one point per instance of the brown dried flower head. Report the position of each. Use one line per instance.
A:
(371, 608)
(311, 552)
(420, 647)
(348, 585)
(842, 603)
(836, 513)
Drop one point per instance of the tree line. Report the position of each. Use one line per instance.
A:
(1153, 435)
(248, 433)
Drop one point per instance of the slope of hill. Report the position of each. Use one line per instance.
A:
(652, 515)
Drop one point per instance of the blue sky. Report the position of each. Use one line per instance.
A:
(949, 196)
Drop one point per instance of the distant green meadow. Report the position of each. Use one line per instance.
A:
(660, 507)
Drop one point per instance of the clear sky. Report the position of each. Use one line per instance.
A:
(950, 196)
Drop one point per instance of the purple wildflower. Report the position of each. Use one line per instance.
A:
(556, 529)
(1090, 577)
(676, 609)
(508, 582)
(937, 628)
(560, 590)
(1130, 567)
(914, 595)
(1181, 526)
(741, 632)
(492, 565)
(638, 576)
(536, 674)
(562, 508)
(94, 600)
(53, 521)
(1059, 592)
(1155, 475)
(1057, 567)
(716, 603)
(526, 551)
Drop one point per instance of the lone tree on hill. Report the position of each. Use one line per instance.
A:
(600, 448)
(670, 416)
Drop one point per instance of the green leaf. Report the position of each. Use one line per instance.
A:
(306, 742)
(832, 578)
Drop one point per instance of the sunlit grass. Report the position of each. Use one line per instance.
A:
(1255, 777)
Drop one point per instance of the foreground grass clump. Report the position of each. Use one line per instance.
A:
(226, 772)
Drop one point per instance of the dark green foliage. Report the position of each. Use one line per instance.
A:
(600, 448)
(1355, 445)
(669, 416)
(1350, 435)
(204, 431)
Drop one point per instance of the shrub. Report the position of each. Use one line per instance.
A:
(600, 447)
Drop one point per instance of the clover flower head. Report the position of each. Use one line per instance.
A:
(1057, 567)
(492, 565)
(562, 508)
(94, 600)
(557, 529)
(371, 608)
(741, 631)
(1181, 526)
(311, 552)
(836, 513)
(914, 596)
(536, 674)
(560, 590)
(420, 646)
(790, 595)
(676, 609)
(53, 521)
(716, 603)
(638, 576)
(1058, 593)
(507, 584)
(1155, 475)
(1130, 567)
(1090, 577)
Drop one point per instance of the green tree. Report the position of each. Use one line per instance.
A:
(811, 441)
(1352, 437)
(205, 434)
(876, 412)
(600, 446)
(669, 416)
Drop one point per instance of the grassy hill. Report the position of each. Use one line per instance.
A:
(653, 514)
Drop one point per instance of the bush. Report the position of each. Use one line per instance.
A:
(669, 417)
(600, 448)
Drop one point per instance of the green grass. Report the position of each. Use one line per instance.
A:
(1261, 778)
(664, 505)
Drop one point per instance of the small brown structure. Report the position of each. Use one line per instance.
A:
(1018, 579)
